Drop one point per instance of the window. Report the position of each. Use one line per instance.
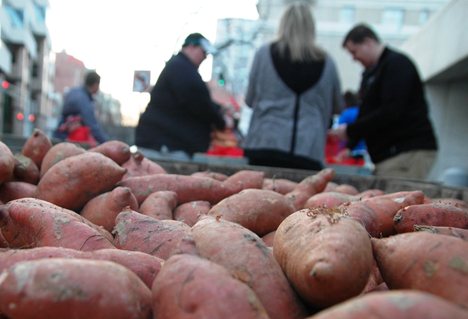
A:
(16, 16)
(393, 18)
(347, 15)
(423, 16)
(40, 12)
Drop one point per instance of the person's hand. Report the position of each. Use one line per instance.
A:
(339, 132)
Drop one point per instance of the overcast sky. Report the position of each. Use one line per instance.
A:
(116, 37)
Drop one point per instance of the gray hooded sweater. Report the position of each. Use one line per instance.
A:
(274, 107)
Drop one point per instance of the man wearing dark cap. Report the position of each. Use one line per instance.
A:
(180, 115)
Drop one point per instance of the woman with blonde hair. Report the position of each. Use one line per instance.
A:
(293, 91)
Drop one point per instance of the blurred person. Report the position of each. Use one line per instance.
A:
(78, 121)
(348, 116)
(394, 117)
(180, 115)
(293, 91)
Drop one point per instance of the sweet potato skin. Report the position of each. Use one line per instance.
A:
(303, 244)
(139, 165)
(191, 212)
(425, 261)
(59, 152)
(30, 222)
(73, 181)
(15, 190)
(25, 169)
(259, 210)
(279, 185)
(73, 288)
(248, 259)
(398, 304)
(160, 238)
(7, 163)
(103, 209)
(116, 150)
(159, 205)
(145, 266)
(431, 214)
(442, 230)
(203, 289)
(36, 146)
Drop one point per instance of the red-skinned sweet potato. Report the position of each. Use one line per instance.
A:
(279, 185)
(424, 261)
(103, 209)
(30, 222)
(191, 212)
(73, 181)
(25, 169)
(309, 186)
(326, 255)
(73, 288)
(431, 214)
(214, 175)
(160, 238)
(7, 163)
(15, 190)
(139, 165)
(117, 151)
(202, 289)
(248, 259)
(376, 213)
(269, 238)
(398, 304)
(59, 152)
(36, 146)
(145, 266)
(159, 205)
(330, 199)
(259, 210)
(442, 230)
(192, 188)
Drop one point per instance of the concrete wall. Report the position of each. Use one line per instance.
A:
(441, 53)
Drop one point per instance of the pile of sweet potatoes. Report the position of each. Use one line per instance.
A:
(106, 233)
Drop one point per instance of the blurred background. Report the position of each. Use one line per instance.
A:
(47, 45)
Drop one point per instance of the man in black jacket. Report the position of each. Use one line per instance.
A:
(181, 115)
(393, 117)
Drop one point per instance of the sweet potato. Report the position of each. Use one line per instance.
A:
(248, 259)
(376, 213)
(160, 238)
(330, 199)
(103, 209)
(370, 193)
(214, 175)
(191, 212)
(431, 214)
(139, 165)
(30, 222)
(259, 210)
(25, 169)
(309, 186)
(59, 152)
(424, 261)
(7, 163)
(73, 288)
(442, 230)
(36, 146)
(202, 289)
(159, 205)
(398, 304)
(73, 181)
(451, 201)
(269, 238)
(15, 190)
(145, 266)
(117, 151)
(326, 255)
(3, 242)
(279, 185)
(346, 189)
(192, 188)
